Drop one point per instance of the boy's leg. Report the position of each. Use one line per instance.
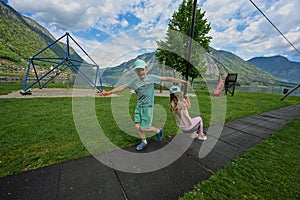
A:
(150, 130)
(146, 122)
(139, 131)
(138, 120)
(144, 142)
(158, 131)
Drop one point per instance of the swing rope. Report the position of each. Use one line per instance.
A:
(190, 46)
(274, 26)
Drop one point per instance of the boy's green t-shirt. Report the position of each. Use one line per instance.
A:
(144, 88)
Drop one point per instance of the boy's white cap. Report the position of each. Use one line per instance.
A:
(139, 64)
(174, 89)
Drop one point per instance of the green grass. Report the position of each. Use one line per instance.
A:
(41, 131)
(12, 74)
(36, 133)
(6, 88)
(243, 104)
(269, 170)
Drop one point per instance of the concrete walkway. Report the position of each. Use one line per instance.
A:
(87, 178)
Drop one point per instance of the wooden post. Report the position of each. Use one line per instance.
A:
(162, 74)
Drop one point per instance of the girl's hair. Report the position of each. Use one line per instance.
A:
(174, 101)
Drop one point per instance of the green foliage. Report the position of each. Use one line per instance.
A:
(21, 38)
(172, 50)
(182, 21)
(18, 42)
(11, 74)
(7, 54)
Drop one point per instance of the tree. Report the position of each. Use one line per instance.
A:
(177, 39)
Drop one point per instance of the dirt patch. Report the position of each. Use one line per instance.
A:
(65, 92)
(52, 92)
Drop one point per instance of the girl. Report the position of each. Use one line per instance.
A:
(220, 86)
(179, 107)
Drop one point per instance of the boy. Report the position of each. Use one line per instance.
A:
(144, 88)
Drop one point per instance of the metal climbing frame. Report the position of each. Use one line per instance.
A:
(61, 65)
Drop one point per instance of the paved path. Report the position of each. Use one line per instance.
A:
(87, 178)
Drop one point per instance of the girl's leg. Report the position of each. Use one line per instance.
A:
(195, 128)
(201, 135)
(200, 129)
(197, 122)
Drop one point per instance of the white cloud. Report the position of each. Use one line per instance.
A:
(255, 37)
(259, 38)
(121, 48)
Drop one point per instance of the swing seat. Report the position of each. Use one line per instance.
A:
(229, 84)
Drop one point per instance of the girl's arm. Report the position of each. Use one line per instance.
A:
(187, 101)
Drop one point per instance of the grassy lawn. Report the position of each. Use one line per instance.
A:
(6, 88)
(41, 131)
(270, 170)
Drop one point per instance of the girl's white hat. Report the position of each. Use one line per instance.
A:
(174, 89)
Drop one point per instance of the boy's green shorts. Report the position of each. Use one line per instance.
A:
(144, 116)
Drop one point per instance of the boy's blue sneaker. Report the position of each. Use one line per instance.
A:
(141, 146)
(159, 135)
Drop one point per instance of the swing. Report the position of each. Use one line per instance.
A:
(228, 84)
(219, 88)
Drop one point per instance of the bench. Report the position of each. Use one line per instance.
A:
(229, 84)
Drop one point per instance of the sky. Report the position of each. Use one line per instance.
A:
(112, 32)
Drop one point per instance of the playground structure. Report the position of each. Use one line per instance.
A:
(67, 59)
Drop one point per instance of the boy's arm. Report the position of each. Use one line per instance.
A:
(117, 89)
(171, 79)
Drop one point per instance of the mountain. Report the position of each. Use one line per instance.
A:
(22, 37)
(279, 67)
(248, 74)
(112, 75)
(226, 62)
